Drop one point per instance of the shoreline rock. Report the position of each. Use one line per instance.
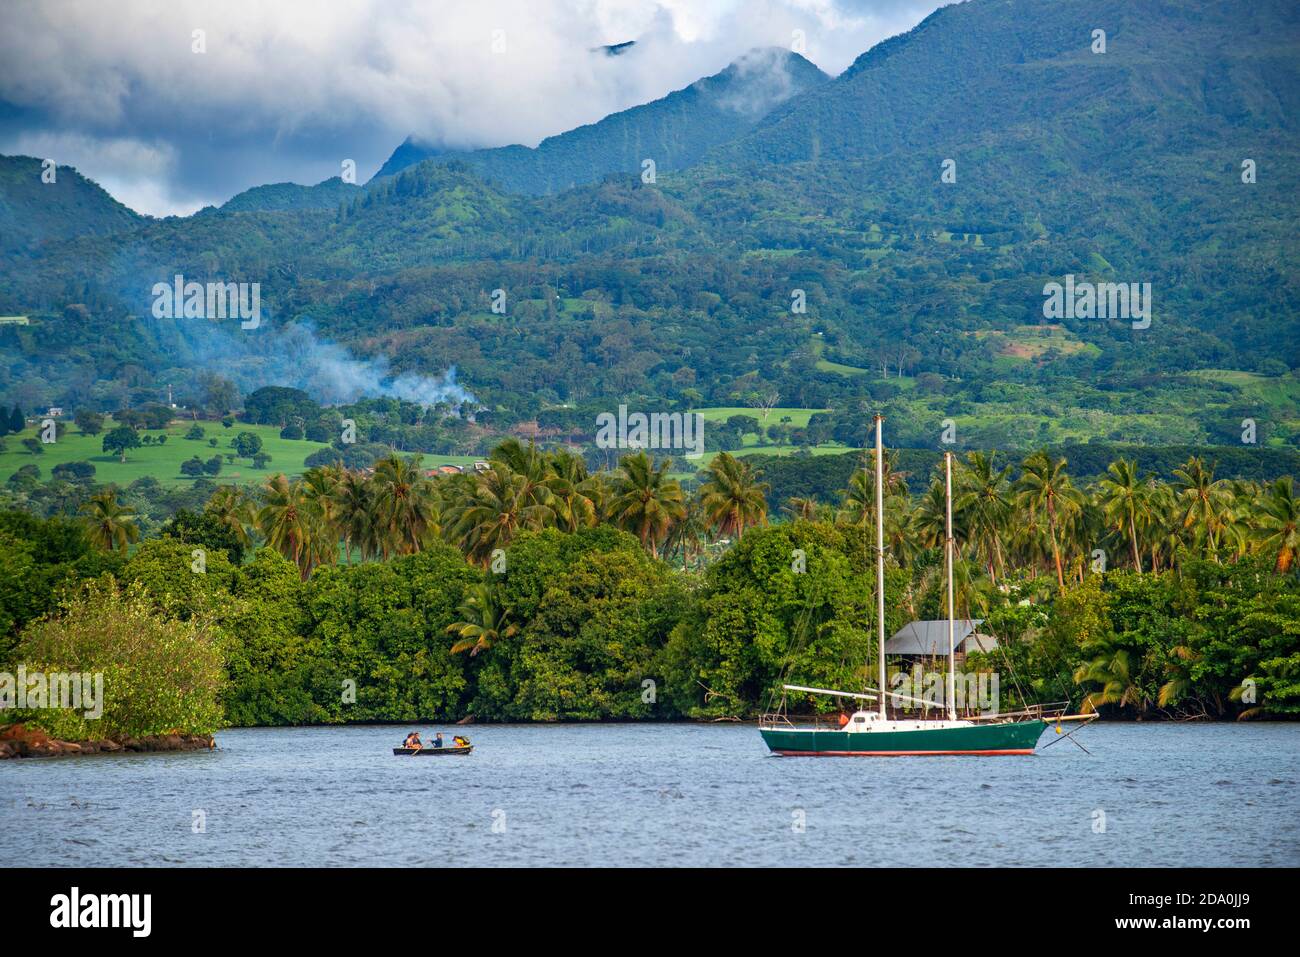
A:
(20, 741)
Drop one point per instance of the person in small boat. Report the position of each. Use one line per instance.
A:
(412, 740)
(437, 741)
(460, 742)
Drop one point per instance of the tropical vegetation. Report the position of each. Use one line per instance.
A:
(533, 589)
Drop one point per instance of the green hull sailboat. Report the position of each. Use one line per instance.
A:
(873, 733)
(910, 738)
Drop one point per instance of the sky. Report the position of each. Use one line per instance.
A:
(175, 106)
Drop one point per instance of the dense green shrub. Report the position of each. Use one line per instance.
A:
(159, 673)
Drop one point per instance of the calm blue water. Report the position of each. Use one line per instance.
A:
(1221, 795)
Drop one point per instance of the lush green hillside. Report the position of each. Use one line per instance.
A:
(275, 196)
(1175, 76)
(845, 277)
(674, 132)
(34, 210)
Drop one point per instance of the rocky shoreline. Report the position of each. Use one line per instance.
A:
(20, 741)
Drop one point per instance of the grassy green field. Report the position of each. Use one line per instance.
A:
(1279, 395)
(839, 368)
(163, 462)
(798, 417)
(1278, 391)
(750, 440)
(685, 468)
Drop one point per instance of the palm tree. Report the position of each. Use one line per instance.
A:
(1125, 502)
(485, 620)
(232, 508)
(354, 511)
(983, 500)
(688, 535)
(1114, 672)
(802, 509)
(493, 510)
(1165, 526)
(1279, 523)
(1082, 528)
(929, 521)
(646, 502)
(286, 522)
(858, 501)
(319, 486)
(109, 523)
(574, 493)
(968, 586)
(531, 465)
(405, 509)
(512, 452)
(1178, 667)
(1045, 487)
(731, 496)
(900, 535)
(1201, 503)
(1239, 520)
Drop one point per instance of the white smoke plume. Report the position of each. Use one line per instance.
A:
(294, 356)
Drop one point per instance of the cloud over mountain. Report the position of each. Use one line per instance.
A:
(288, 91)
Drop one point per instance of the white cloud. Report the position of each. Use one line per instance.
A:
(286, 90)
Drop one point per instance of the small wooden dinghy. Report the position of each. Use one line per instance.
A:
(431, 750)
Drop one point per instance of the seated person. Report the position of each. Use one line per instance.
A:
(460, 742)
(437, 741)
(412, 740)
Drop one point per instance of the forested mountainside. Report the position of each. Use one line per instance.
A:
(40, 203)
(675, 131)
(277, 196)
(822, 255)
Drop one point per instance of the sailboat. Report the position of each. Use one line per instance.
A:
(870, 731)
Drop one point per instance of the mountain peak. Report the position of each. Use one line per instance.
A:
(326, 194)
(35, 208)
(675, 131)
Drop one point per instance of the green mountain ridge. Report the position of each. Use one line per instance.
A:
(327, 194)
(33, 211)
(680, 292)
(674, 131)
(1170, 69)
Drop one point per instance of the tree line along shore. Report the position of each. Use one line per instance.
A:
(536, 590)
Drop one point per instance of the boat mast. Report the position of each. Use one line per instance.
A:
(947, 463)
(880, 557)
